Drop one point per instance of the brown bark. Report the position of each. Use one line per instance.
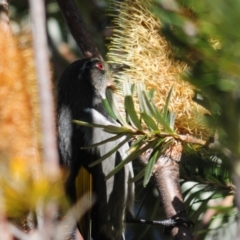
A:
(166, 178)
(78, 29)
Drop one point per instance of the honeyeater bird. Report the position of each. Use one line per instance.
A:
(81, 89)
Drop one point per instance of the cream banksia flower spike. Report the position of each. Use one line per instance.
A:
(137, 42)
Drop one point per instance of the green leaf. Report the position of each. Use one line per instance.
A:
(107, 128)
(153, 158)
(149, 122)
(165, 109)
(138, 141)
(142, 99)
(129, 106)
(105, 141)
(156, 114)
(149, 167)
(160, 119)
(85, 124)
(114, 105)
(149, 108)
(152, 109)
(110, 152)
(138, 176)
(117, 129)
(132, 88)
(132, 156)
(108, 109)
(151, 94)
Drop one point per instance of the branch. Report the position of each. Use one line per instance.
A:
(4, 19)
(191, 139)
(4, 228)
(50, 155)
(166, 178)
(78, 29)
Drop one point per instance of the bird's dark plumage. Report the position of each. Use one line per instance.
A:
(81, 89)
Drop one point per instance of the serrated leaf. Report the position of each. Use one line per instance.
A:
(133, 117)
(149, 122)
(110, 152)
(108, 109)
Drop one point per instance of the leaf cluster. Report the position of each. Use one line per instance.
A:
(151, 128)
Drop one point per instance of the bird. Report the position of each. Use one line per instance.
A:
(81, 90)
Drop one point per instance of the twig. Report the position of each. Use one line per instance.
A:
(4, 19)
(78, 29)
(46, 99)
(19, 234)
(65, 228)
(191, 139)
(5, 233)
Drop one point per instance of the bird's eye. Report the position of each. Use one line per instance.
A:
(100, 66)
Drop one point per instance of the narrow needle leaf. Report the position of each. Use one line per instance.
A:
(129, 106)
(105, 141)
(165, 109)
(131, 157)
(149, 122)
(149, 166)
(108, 109)
(110, 152)
(114, 105)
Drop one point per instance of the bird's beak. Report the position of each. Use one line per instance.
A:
(116, 67)
(111, 85)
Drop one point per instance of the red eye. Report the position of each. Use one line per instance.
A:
(100, 66)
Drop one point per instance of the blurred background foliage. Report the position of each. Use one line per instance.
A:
(203, 34)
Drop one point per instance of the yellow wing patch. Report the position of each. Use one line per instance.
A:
(83, 185)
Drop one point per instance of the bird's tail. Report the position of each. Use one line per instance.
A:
(83, 184)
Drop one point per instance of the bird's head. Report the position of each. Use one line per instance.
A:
(84, 83)
(99, 75)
